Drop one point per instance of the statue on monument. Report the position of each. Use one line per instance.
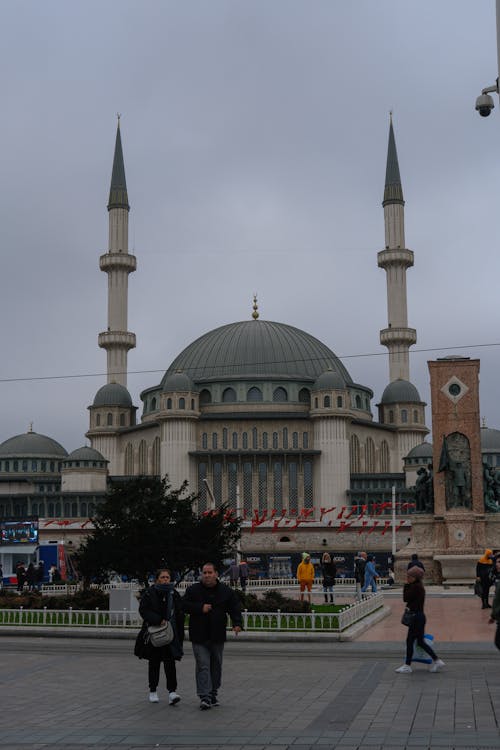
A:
(424, 491)
(455, 463)
(491, 489)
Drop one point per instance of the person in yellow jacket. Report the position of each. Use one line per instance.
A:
(305, 576)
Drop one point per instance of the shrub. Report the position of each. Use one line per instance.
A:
(272, 601)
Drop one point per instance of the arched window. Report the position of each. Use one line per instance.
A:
(339, 402)
(214, 441)
(295, 440)
(109, 419)
(204, 441)
(74, 510)
(229, 395)
(254, 394)
(67, 512)
(224, 438)
(156, 457)
(192, 404)
(57, 510)
(143, 468)
(169, 403)
(358, 402)
(265, 440)
(280, 394)
(129, 460)
(232, 483)
(254, 439)
(384, 457)
(202, 487)
(262, 469)
(51, 510)
(182, 403)
(278, 485)
(244, 440)
(34, 509)
(326, 402)
(304, 396)
(83, 510)
(235, 441)
(305, 440)
(91, 509)
(415, 416)
(285, 437)
(391, 416)
(97, 420)
(275, 440)
(122, 419)
(293, 487)
(308, 484)
(218, 483)
(404, 416)
(153, 404)
(205, 397)
(369, 456)
(354, 454)
(315, 403)
(247, 488)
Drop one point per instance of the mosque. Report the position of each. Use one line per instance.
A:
(256, 414)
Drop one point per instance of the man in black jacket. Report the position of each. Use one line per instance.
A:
(208, 604)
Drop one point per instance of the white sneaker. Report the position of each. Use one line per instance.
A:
(153, 698)
(436, 666)
(405, 669)
(173, 698)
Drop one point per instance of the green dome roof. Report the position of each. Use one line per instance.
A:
(85, 454)
(31, 444)
(422, 450)
(490, 439)
(177, 381)
(327, 380)
(113, 394)
(401, 391)
(256, 348)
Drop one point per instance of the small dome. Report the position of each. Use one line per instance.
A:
(490, 439)
(113, 394)
(85, 454)
(422, 450)
(329, 380)
(400, 392)
(178, 381)
(31, 444)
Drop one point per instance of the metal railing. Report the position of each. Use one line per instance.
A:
(252, 621)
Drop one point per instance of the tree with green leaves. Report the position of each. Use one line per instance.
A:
(143, 524)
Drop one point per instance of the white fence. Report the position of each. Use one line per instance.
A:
(253, 621)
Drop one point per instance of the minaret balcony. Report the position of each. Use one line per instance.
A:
(116, 339)
(118, 262)
(395, 256)
(394, 336)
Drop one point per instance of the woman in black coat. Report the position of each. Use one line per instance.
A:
(414, 596)
(160, 603)
(329, 571)
(484, 568)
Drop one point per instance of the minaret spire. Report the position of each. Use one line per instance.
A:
(117, 263)
(395, 259)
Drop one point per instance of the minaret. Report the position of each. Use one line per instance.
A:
(395, 259)
(117, 263)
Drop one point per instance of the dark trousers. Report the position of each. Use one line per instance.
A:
(416, 633)
(485, 585)
(168, 662)
(497, 636)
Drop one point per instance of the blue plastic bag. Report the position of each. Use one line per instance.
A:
(419, 654)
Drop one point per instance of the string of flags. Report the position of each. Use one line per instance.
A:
(360, 517)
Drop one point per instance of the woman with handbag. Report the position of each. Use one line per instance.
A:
(329, 571)
(161, 604)
(414, 596)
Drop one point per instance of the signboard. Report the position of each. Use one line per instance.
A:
(18, 532)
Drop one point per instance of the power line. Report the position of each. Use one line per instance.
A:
(35, 378)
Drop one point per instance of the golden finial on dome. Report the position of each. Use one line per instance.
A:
(255, 313)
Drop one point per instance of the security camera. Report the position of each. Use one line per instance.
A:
(484, 105)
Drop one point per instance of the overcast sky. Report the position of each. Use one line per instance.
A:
(255, 142)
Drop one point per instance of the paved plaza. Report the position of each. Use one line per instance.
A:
(75, 693)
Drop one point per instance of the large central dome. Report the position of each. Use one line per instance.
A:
(256, 348)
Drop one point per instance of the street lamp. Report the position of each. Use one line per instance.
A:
(485, 103)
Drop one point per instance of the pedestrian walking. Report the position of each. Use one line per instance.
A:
(161, 603)
(243, 569)
(21, 577)
(359, 573)
(305, 576)
(371, 576)
(329, 571)
(208, 603)
(31, 576)
(495, 610)
(40, 574)
(414, 597)
(484, 568)
(234, 574)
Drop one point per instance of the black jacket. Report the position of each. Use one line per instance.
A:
(212, 625)
(153, 609)
(329, 571)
